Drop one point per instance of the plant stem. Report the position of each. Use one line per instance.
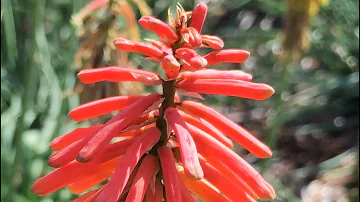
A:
(279, 106)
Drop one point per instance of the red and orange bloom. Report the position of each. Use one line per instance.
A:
(159, 146)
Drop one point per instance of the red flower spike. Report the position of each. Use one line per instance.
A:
(171, 66)
(75, 135)
(202, 189)
(198, 16)
(149, 166)
(90, 156)
(215, 74)
(187, 146)
(228, 127)
(229, 55)
(157, 26)
(67, 175)
(102, 106)
(213, 42)
(114, 126)
(137, 47)
(237, 88)
(208, 146)
(171, 182)
(207, 127)
(191, 37)
(157, 194)
(88, 196)
(118, 74)
(227, 187)
(113, 189)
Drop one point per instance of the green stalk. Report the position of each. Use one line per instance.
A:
(279, 109)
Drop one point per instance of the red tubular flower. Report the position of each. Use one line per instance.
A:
(215, 74)
(210, 147)
(65, 140)
(213, 42)
(171, 66)
(124, 153)
(102, 106)
(118, 74)
(191, 37)
(155, 195)
(187, 146)
(157, 26)
(149, 166)
(231, 190)
(202, 189)
(229, 55)
(198, 16)
(137, 47)
(207, 127)
(171, 182)
(237, 88)
(228, 127)
(191, 58)
(114, 126)
(116, 185)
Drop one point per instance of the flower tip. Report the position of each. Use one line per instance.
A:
(194, 173)
(82, 158)
(270, 92)
(36, 188)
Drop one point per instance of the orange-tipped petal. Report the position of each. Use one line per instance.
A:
(208, 128)
(102, 106)
(114, 126)
(155, 195)
(171, 182)
(228, 55)
(202, 189)
(215, 74)
(157, 26)
(137, 47)
(67, 175)
(198, 16)
(187, 146)
(228, 127)
(227, 187)
(213, 150)
(213, 42)
(118, 74)
(149, 166)
(117, 183)
(237, 88)
(69, 138)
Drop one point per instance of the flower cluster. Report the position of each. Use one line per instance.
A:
(160, 147)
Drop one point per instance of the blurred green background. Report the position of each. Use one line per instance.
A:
(311, 123)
